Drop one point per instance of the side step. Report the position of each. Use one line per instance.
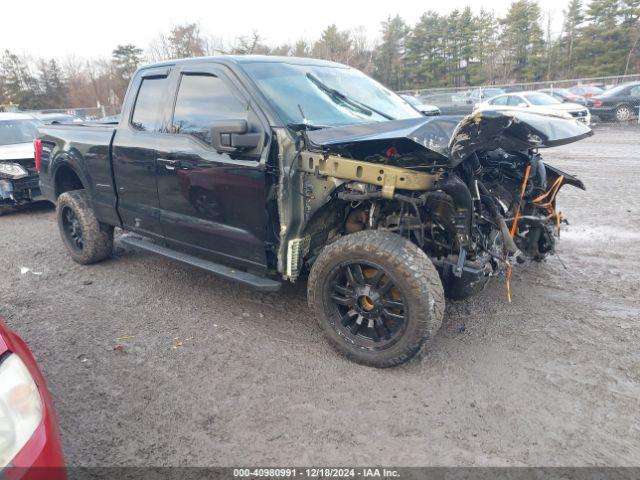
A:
(254, 281)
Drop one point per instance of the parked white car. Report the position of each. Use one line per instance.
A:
(536, 102)
(18, 175)
(424, 108)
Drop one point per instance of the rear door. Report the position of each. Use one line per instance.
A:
(212, 201)
(134, 151)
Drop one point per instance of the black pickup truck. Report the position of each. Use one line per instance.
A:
(267, 169)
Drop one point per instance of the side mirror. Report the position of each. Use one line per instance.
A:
(233, 135)
(522, 104)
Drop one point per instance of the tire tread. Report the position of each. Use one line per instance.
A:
(97, 238)
(405, 259)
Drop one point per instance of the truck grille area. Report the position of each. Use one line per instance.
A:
(30, 182)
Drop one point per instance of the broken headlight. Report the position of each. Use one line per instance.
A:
(20, 408)
(13, 170)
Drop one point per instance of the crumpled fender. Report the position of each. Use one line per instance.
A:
(553, 173)
(512, 130)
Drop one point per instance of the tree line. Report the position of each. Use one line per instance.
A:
(462, 48)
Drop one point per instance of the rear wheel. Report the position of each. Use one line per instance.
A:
(86, 239)
(623, 113)
(377, 297)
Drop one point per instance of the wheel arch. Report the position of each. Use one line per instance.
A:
(67, 178)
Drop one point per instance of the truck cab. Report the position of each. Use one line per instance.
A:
(162, 173)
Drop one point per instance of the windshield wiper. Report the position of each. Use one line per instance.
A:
(305, 126)
(366, 109)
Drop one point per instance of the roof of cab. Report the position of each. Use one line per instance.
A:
(244, 59)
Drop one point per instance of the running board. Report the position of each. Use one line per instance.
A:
(254, 281)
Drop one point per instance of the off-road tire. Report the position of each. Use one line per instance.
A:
(97, 237)
(414, 276)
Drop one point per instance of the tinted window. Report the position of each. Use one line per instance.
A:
(203, 99)
(146, 113)
(635, 91)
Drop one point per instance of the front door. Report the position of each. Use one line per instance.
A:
(212, 202)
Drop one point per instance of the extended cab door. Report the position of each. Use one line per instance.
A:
(134, 151)
(212, 194)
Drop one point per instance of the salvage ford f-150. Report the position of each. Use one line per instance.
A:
(264, 169)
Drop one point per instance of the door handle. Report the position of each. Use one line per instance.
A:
(168, 163)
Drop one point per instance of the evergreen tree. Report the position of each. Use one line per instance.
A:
(124, 60)
(467, 28)
(333, 45)
(20, 86)
(52, 89)
(485, 49)
(425, 65)
(390, 54)
(603, 43)
(522, 42)
(573, 18)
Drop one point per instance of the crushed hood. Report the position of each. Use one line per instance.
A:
(455, 137)
(17, 151)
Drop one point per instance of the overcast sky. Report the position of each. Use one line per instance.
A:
(85, 28)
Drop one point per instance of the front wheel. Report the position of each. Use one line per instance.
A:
(86, 239)
(377, 297)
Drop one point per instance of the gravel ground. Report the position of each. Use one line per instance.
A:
(155, 363)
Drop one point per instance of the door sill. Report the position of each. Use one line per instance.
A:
(256, 282)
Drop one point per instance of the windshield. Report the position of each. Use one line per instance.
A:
(17, 131)
(326, 95)
(541, 99)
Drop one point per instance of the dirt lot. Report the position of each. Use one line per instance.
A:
(212, 373)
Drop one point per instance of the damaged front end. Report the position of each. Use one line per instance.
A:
(472, 193)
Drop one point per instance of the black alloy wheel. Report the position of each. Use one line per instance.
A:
(370, 307)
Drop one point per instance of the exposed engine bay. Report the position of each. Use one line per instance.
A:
(474, 193)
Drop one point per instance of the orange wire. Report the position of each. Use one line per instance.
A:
(550, 195)
(524, 188)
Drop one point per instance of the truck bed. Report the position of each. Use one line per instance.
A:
(87, 148)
